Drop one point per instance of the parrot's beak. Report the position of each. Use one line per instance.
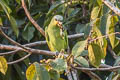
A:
(60, 24)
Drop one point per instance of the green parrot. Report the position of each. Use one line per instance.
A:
(55, 35)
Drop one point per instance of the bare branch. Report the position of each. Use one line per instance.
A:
(31, 19)
(114, 68)
(11, 52)
(34, 51)
(112, 52)
(19, 60)
(92, 75)
(104, 36)
(14, 42)
(111, 6)
(35, 44)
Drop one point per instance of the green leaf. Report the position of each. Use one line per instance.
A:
(96, 34)
(28, 34)
(99, 2)
(41, 72)
(37, 72)
(82, 61)
(74, 12)
(80, 28)
(95, 12)
(29, 3)
(54, 7)
(5, 7)
(19, 71)
(103, 21)
(14, 25)
(87, 29)
(30, 73)
(116, 77)
(3, 65)
(1, 21)
(58, 64)
(27, 60)
(18, 1)
(54, 75)
(11, 18)
(118, 3)
(110, 28)
(95, 54)
(104, 47)
(79, 48)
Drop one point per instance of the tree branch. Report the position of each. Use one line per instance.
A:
(111, 6)
(114, 68)
(31, 19)
(14, 42)
(92, 75)
(35, 44)
(34, 51)
(19, 60)
(112, 52)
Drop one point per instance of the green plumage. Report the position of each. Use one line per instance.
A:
(55, 40)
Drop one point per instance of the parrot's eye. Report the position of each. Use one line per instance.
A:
(56, 19)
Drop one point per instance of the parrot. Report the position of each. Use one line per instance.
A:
(56, 35)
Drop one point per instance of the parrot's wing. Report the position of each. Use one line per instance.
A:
(47, 37)
(66, 38)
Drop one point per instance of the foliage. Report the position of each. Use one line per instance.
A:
(91, 17)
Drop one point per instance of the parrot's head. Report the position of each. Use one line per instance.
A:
(58, 20)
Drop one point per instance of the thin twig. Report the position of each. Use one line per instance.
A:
(104, 36)
(31, 19)
(111, 6)
(112, 52)
(92, 75)
(10, 52)
(19, 60)
(14, 42)
(37, 43)
(114, 68)
(34, 51)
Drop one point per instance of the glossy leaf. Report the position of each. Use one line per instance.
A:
(30, 73)
(28, 33)
(5, 7)
(80, 28)
(87, 29)
(54, 75)
(59, 64)
(3, 65)
(14, 25)
(54, 7)
(19, 71)
(18, 1)
(110, 28)
(95, 12)
(1, 22)
(82, 61)
(104, 47)
(99, 2)
(41, 72)
(37, 72)
(97, 34)
(95, 54)
(79, 48)
(116, 77)
(11, 18)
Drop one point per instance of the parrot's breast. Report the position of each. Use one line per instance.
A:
(57, 43)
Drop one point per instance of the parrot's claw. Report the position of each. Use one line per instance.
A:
(56, 53)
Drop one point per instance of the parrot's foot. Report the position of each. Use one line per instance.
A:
(61, 54)
(56, 53)
(62, 51)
